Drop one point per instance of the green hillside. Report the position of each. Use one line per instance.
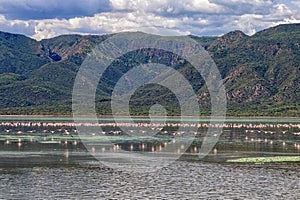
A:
(261, 73)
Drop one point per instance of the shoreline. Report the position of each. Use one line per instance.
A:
(153, 119)
(145, 116)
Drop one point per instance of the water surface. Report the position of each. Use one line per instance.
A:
(50, 162)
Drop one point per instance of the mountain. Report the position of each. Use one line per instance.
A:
(261, 73)
(265, 70)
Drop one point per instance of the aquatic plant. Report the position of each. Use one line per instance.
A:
(266, 159)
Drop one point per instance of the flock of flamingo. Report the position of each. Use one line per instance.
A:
(69, 129)
(155, 125)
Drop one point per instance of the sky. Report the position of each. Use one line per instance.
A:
(41, 19)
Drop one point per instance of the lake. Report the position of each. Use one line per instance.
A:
(44, 158)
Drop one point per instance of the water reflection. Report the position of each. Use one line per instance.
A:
(244, 139)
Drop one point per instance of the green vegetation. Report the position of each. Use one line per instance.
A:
(260, 160)
(261, 73)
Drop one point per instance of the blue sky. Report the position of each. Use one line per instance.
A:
(44, 19)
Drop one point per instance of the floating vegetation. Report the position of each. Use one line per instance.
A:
(96, 138)
(49, 142)
(266, 159)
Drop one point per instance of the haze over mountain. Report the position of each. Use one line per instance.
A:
(261, 73)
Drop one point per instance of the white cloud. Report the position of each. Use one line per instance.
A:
(165, 17)
(50, 28)
(123, 4)
(166, 6)
(16, 26)
(251, 23)
(109, 22)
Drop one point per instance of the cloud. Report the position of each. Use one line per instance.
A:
(296, 3)
(166, 6)
(251, 23)
(16, 26)
(240, 7)
(108, 23)
(164, 17)
(37, 9)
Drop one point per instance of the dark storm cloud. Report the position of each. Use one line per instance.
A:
(36, 9)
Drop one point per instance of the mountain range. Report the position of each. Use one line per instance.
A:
(261, 73)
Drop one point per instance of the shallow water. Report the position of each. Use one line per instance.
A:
(40, 164)
(183, 180)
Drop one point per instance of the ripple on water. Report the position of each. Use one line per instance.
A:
(183, 180)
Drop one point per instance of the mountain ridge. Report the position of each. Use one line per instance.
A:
(261, 73)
